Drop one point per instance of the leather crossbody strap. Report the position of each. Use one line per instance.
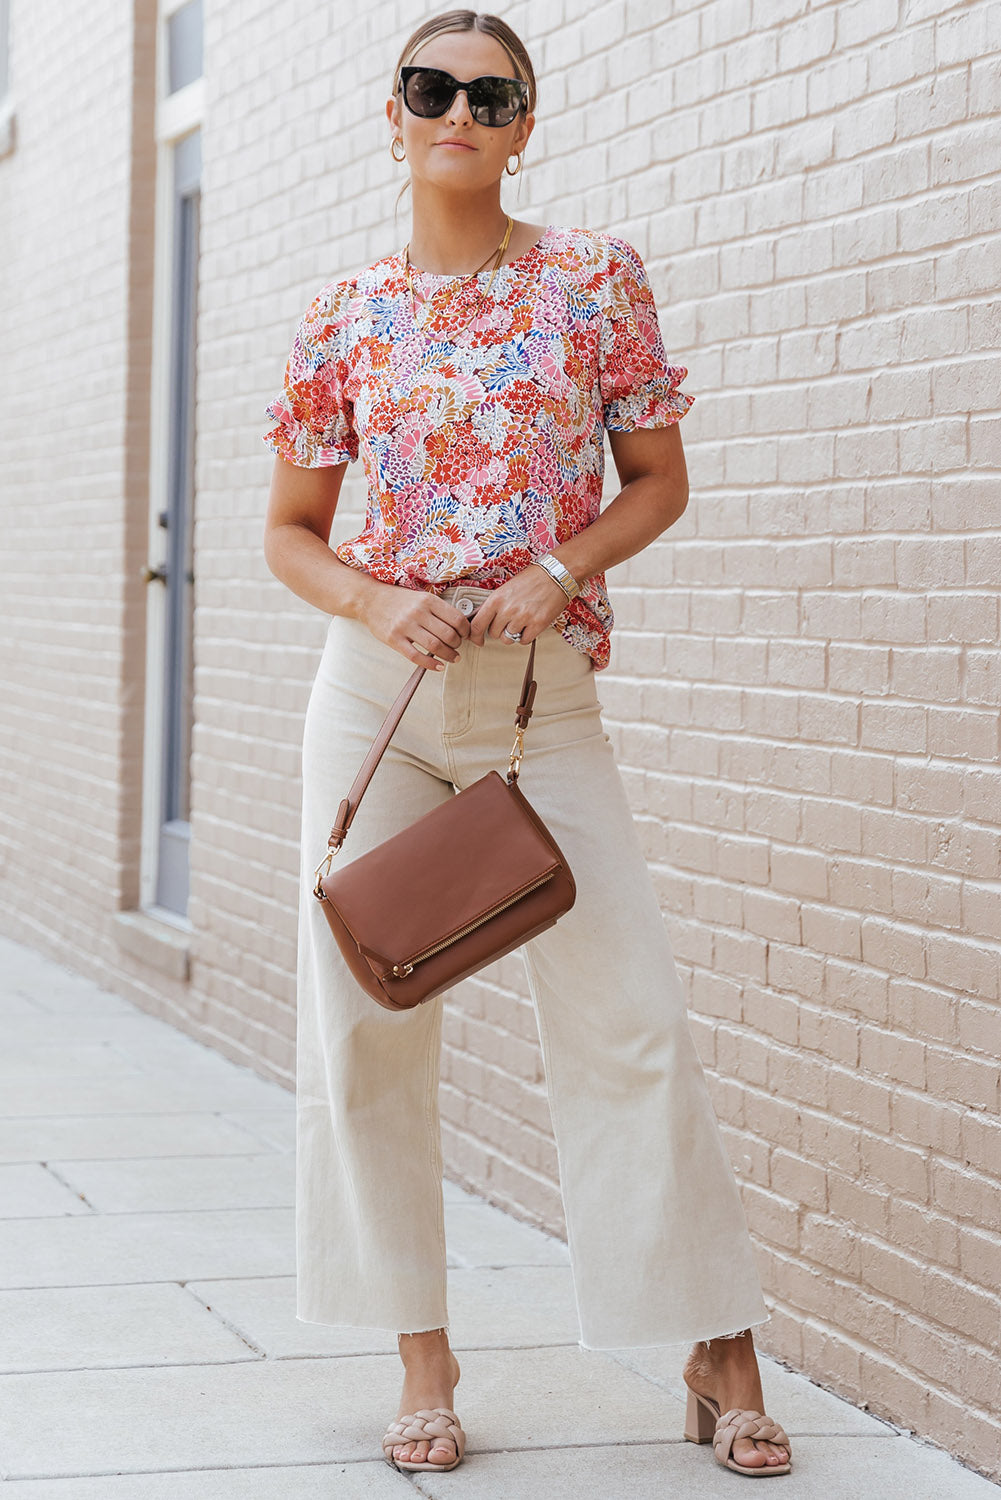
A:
(350, 804)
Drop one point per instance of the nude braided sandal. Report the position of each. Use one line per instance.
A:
(704, 1423)
(438, 1422)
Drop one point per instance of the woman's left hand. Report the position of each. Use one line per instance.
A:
(528, 602)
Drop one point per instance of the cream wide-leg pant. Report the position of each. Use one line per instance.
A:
(658, 1241)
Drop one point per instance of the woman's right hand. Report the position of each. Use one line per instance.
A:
(415, 623)
(296, 545)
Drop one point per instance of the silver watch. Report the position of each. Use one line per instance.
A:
(559, 574)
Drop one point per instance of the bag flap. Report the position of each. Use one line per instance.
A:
(447, 869)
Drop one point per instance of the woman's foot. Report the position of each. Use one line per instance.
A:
(726, 1370)
(432, 1373)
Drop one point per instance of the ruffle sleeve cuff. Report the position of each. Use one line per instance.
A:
(639, 387)
(313, 416)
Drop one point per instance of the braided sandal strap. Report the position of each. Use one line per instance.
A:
(425, 1424)
(740, 1422)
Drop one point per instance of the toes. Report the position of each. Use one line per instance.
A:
(410, 1452)
(421, 1449)
(755, 1453)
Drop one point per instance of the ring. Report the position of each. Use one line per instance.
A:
(514, 635)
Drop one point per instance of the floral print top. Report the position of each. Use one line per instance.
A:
(482, 429)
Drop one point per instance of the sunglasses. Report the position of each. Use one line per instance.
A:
(428, 92)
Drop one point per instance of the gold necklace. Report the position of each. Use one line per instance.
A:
(499, 253)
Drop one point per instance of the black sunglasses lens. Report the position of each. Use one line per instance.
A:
(492, 101)
(429, 92)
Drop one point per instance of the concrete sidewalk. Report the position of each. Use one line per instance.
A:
(148, 1339)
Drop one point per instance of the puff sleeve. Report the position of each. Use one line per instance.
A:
(315, 420)
(639, 388)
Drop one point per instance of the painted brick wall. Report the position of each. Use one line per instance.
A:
(804, 689)
(806, 670)
(75, 226)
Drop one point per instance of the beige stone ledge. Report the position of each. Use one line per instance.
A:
(158, 944)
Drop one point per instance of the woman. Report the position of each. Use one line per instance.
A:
(476, 372)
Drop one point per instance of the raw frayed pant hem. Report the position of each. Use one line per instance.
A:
(366, 1327)
(670, 1343)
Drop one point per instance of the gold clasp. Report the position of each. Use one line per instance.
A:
(324, 867)
(517, 754)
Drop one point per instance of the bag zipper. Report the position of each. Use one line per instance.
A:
(400, 971)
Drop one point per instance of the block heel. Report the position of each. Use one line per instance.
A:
(700, 1424)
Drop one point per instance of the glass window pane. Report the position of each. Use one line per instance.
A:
(184, 46)
(177, 523)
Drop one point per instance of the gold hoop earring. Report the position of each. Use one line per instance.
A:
(392, 149)
(507, 166)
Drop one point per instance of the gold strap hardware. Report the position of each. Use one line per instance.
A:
(517, 754)
(322, 869)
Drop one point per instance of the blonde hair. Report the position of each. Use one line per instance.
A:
(470, 20)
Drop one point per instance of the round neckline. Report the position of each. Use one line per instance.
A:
(510, 265)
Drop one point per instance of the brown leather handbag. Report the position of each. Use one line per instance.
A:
(416, 914)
